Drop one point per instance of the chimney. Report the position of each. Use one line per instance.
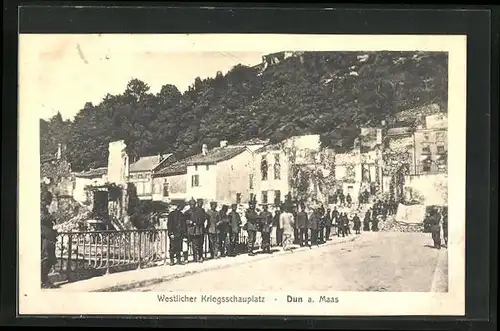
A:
(379, 136)
(59, 152)
(223, 143)
(204, 149)
(159, 158)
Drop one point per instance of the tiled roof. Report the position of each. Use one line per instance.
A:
(98, 172)
(216, 155)
(213, 156)
(146, 163)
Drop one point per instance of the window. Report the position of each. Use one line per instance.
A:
(196, 167)
(250, 181)
(426, 136)
(277, 167)
(440, 149)
(264, 197)
(426, 150)
(165, 189)
(195, 180)
(440, 136)
(277, 197)
(238, 198)
(207, 167)
(263, 168)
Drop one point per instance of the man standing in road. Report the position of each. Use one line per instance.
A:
(251, 227)
(287, 223)
(234, 228)
(328, 224)
(224, 231)
(435, 228)
(213, 231)
(196, 217)
(335, 219)
(303, 225)
(314, 221)
(276, 220)
(356, 223)
(176, 227)
(267, 221)
(366, 221)
(321, 224)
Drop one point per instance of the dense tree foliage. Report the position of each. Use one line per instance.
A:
(328, 93)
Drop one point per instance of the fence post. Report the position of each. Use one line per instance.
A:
(167, 238)
(68, 261)
(140, 246)
(107, 252)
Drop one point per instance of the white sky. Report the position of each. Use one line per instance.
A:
(63, 72)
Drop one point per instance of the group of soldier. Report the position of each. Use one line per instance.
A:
(292, 223)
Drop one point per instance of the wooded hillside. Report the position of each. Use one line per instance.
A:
(328, 93)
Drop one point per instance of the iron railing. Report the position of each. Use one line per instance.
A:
(82, 255)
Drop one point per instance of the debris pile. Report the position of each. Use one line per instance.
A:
(391, 225)
(77, 222)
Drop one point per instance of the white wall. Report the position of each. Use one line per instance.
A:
(207, 175)
(433, 187)
(176, 187)
(80, 183)
(233, 176)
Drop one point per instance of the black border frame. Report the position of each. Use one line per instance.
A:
(482, 112)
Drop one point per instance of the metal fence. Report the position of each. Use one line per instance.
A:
(82, 255)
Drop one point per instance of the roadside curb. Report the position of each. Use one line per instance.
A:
(440, 277)
(156, 280)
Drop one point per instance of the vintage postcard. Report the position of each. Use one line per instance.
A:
(242, 174)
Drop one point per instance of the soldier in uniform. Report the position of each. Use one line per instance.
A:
(48, 239)
(366, 221)
(224, 231)
(328, 224)
(314, 221)
(340, 225)
(213, 231)
(321, 224)
(375, 221)
(176, 227)
(267, 222)
(234, 228)
(345, 224)
(303, 225)
(435, 229)
(251, 227)
(356, 224)
(279, 230)
(335, 218)
(196, 217)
